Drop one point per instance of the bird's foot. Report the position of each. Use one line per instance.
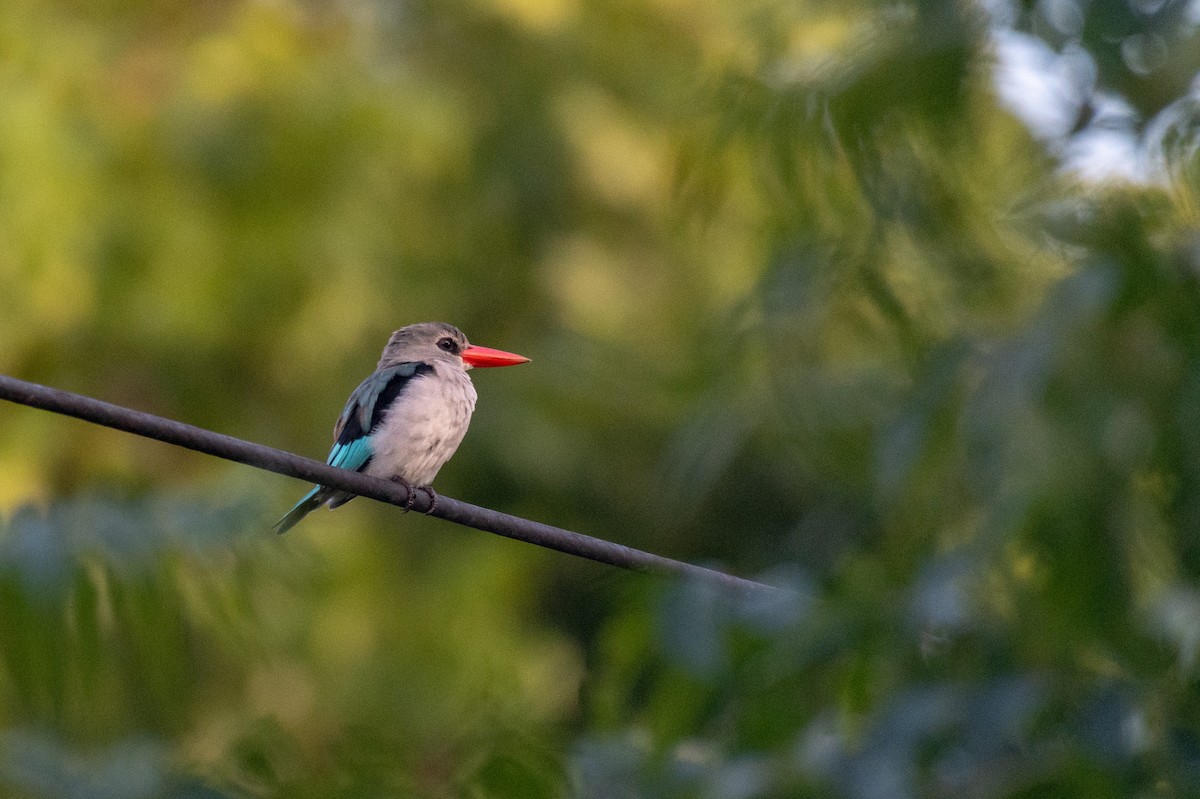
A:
(433, 498)
(408, 503)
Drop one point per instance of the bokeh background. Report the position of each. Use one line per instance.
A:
(896, 304)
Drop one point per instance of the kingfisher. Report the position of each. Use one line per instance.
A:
(408, 417)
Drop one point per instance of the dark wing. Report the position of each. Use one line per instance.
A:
(364, 411)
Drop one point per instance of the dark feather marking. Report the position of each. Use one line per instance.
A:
(352, 431)
(353, 427)
(392, 390)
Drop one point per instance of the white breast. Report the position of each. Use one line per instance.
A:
(424, 426)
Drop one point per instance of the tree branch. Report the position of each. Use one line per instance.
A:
(280, 462)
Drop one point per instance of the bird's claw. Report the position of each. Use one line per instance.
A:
(433, 498)
(412, 494)
(408, 503)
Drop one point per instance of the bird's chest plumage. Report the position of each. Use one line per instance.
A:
(423, 426)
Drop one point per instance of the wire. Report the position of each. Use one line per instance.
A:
(280, 462)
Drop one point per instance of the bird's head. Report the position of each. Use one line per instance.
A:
(438, 341)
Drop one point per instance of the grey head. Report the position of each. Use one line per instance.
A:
(427, 342)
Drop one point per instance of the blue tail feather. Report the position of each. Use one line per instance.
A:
(309, 503)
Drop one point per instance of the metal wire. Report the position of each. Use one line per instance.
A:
(280, 462)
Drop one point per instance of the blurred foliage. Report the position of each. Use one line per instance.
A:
(804, 299)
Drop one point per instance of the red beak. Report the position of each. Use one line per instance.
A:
(486, 356)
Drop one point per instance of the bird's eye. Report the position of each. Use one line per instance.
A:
(447, 344)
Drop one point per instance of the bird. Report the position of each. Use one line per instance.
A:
(408, 417)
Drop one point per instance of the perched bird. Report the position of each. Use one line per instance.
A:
(406, 419)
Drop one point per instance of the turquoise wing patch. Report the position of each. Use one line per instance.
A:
(351, 455)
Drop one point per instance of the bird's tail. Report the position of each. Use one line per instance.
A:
(312, 500)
